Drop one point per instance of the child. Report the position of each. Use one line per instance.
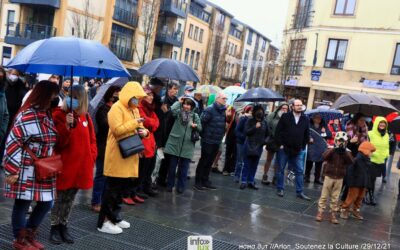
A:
(358, 181)
(336, 161)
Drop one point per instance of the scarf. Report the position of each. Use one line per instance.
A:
(185, 117)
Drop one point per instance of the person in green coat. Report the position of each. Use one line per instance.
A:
(179, 144)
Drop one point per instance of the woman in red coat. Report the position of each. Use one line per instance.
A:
(148, 160)
(77, 146)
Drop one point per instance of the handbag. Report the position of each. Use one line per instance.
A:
(130, 145)
(195, 136)
(47, 167)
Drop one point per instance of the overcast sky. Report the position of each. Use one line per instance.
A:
(266, 16)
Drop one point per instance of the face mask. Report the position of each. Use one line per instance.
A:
(134, 101)
(280, 113)
(65, 89)
(90, 85)
(115, 99)
(75, 103)
(13, 78)
(54, 102)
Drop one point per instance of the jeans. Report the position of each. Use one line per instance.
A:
(21, 207)
(99, 182)
(250, 166)
(208, 154)
(239, 161)
(296, 164)
(183, 166)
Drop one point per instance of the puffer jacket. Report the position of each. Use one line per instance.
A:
(213, 122)
(336, 163)
(380, 142)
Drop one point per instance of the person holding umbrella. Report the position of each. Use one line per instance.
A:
(34, 121)
(124, 121)
(110, 97)
(379, 137)
(77, 140)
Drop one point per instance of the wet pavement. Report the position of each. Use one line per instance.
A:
(236, 219)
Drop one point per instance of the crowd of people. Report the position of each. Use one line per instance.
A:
(52, 118)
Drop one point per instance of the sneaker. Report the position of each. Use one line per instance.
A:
(123, 224)
(280, 193)
(225, 173)
(137, 199)
(265, 180)
(242, 186)
(210, 187)
(344, 214)
(110, 228)
(128, 201)
(303, 196)
(252, 186)
(198, 188)
(356, 214)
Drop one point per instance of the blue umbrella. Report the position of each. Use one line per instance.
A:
(170, 69)
(68, 56)
(260, 95)
(326, 113)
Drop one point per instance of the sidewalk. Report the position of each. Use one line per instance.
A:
(233, 217)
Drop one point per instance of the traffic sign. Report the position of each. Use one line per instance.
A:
(316, 73)
(315, 78)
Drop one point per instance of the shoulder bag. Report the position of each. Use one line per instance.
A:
(130, 145)
(47, 167)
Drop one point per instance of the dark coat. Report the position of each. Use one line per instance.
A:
(336, 163)
(239, 131)
(200, 107)
(255, 137)
(102, 130)
(166, 119)
(213, 122)
(4, 116)
(15, 92)
(357, 174)
(294, 137)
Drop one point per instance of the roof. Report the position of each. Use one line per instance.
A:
(219, 8)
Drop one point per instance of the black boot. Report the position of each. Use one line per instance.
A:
(372, 201)
(55, 236)
(66, 236)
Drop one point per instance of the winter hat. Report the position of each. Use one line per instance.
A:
(248, 108)
(366, 148)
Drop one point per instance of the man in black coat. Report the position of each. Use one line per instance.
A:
(293, 133)
(213, 122)
(15, 92)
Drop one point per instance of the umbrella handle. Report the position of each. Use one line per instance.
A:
(72, 83)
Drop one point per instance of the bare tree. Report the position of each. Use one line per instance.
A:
(149, 13)
(219, 53)
(84, 26)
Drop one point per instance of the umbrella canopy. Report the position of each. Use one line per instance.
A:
(170, 69)
(208, 89)
(233, 92)
(97, 101)
(326, 113)
(368, 105)
(68, 56)
(260, 95)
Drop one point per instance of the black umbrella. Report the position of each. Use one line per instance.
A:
(394, 126)
(170, 69)
(368, 105)
(260, 95)
(326, 113)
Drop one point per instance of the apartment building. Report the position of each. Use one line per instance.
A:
(270, 69)
(335, 47)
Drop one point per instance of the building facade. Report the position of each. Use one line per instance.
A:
(335, 47)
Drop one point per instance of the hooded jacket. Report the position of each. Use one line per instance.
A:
(123, 123)
(380, 142)
(273, 119)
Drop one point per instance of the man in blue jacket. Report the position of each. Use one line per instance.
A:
(213, 121)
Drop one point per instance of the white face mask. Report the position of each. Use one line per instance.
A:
(13, 78)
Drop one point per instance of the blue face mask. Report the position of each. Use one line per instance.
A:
(134, 101)
(75, 103)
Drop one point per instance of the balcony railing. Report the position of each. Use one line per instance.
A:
(174, 8)
(24, 33)
(128, 17)
(50, 3)
(122, 53)
(198, 12)
(170, 37)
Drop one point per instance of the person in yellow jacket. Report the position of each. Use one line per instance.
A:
(379, 137)
(124, 121)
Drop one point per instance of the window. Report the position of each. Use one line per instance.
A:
(187, 55)
(250, 38)
(191, 58)
(264, 45)
(198, 11)
(121, 42)
(6, 55)
(234, 53)
(396, 61)
(175, 55)
(302, 18)
(336, 53)
(196, 64)
(10, 16)
(345, 7)
(227, 66)
(296, 56)
(246, 59)
(191, 31)
(196, 33)
(221, 19)
(201, 35)
(179, 29)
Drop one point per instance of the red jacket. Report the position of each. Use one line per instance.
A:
(78, 150)
(331, 141)
(151, 122)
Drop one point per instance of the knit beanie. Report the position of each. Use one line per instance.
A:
(366, 147)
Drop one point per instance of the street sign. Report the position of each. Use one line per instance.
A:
(315, 78)
(316, 73)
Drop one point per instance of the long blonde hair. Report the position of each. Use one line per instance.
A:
(79, 93)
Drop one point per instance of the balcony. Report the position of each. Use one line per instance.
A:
(174, 8)
(123, 53)
(128, 17)
(49, 3)
(173, 38)
(24, 34)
